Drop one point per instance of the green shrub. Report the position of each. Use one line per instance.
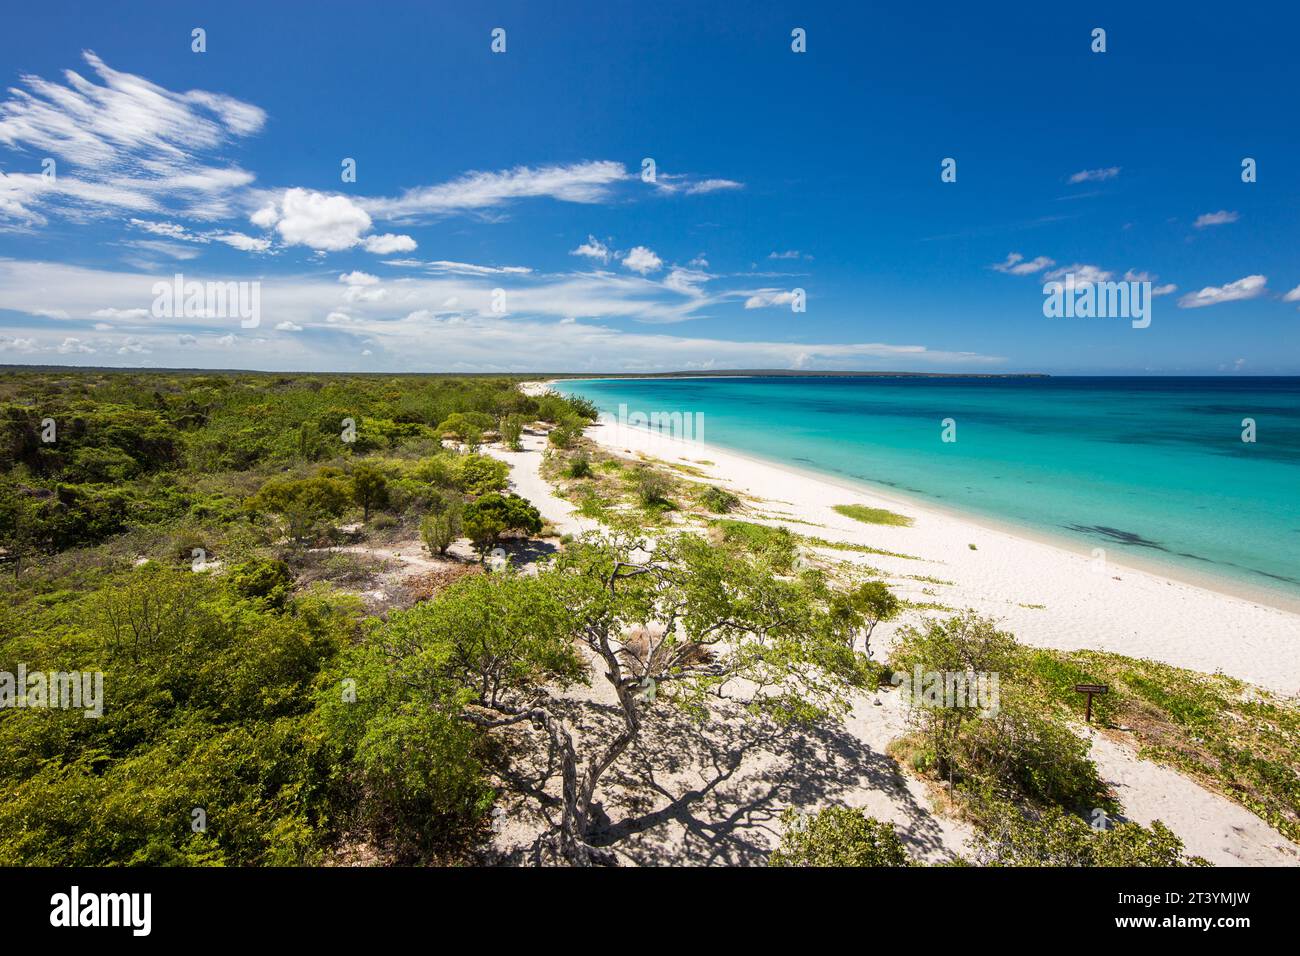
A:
(442, 525)
(1053, 837)
(579, 466)
(719, 500)
(838, 836)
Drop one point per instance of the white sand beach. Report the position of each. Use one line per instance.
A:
(1046, 595)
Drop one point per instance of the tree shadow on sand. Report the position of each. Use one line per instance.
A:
(712, 793)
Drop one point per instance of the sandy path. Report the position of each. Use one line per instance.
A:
(526, 481)
(1212, 826)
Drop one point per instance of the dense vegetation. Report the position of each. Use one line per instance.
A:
(158, 528)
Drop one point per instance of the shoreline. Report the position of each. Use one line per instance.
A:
(1219, 583)
(1046, 593)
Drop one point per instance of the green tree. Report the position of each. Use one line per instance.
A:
(302, 503)
(493, 515)
(463, 428)
(442, 524)
(369, 489)
(857, 610)
(512, 430)
(729, 627)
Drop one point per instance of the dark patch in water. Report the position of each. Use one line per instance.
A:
(1119, 536)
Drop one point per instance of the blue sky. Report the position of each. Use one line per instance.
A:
(521, 172)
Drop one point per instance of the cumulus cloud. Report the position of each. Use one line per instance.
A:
(288, 327)
(1248, 288)
(320, 221)
(593, 248)
(642, 260)
(72, 346)
(1293, 295)
(1220, 218)
(20, 345)
(387, 244)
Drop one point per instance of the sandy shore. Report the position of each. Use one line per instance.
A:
(732, 816)
(1047, 595)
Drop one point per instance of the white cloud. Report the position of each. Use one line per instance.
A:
(689, 186)
(412, 327)
(1095, 175)
(712, 185)
(72, 346)
(1143, 276)
(686, 281)
(1220, 218)
(789, 254)
(319, 221)
(387, 244)
(288, 327)
(358, 278)
(266, 217)
(1293, 295)
(1016, 264)
(24, 346)
(586, 182)
(593, 248)
(767, 298)
(642, 260)
(127, 314)
(239, 240)
(1083, 275)
(470, 269)
(1248, 288)
(122, 143)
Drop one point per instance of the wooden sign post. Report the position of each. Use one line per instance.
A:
(1091, 689)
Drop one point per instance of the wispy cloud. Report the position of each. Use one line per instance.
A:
(1220, 218)
(121, 143)
(585, 182)
(402, 322)
(1017, 265)
(1094, 175)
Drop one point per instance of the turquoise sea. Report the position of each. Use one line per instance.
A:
(1152, 469)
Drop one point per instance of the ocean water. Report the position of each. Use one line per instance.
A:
(1152, 469)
